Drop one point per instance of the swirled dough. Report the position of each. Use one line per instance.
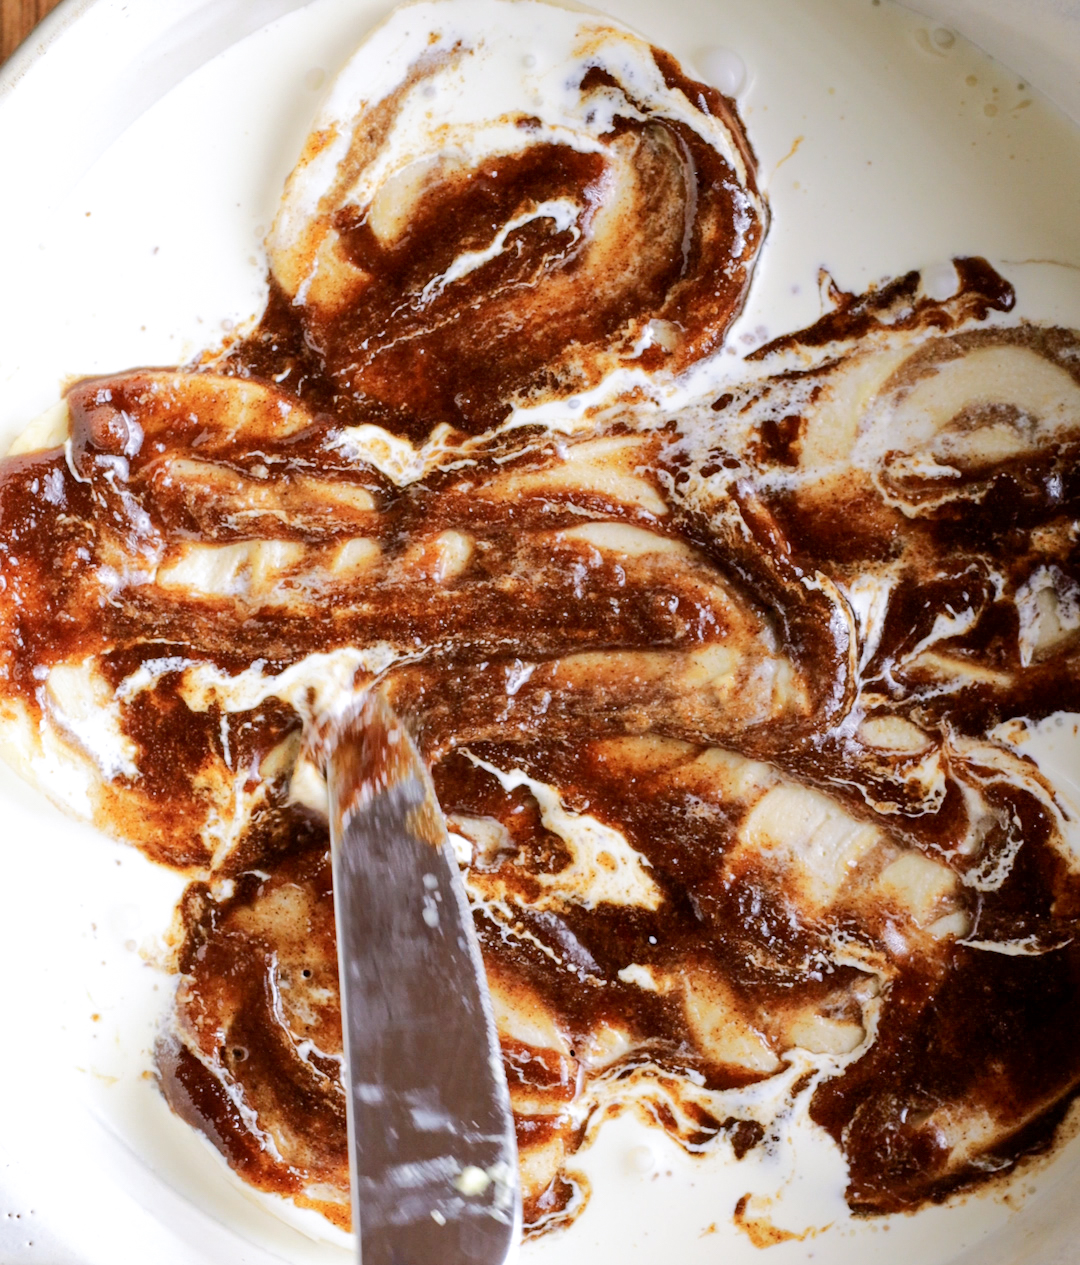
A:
(497, 212)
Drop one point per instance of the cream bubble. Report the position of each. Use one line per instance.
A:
(725, 70)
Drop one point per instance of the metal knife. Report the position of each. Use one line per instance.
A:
(431, 1135)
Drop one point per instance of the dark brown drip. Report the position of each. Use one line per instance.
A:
(899, 305)
(518, 602)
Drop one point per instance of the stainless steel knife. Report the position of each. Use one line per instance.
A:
(431, 1136)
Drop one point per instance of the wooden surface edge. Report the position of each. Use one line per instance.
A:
(17, 19)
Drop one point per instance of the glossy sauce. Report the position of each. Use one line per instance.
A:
(667, 684)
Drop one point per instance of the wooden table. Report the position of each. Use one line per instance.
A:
(17, 19)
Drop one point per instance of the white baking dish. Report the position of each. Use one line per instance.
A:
(143, 146)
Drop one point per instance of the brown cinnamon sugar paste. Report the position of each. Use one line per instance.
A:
(721, 701)
(715, 703)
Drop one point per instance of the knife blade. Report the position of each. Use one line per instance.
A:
(431, 1136)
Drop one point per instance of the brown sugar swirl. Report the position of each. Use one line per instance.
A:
(736, 776)
(729, 706)
(559, 221)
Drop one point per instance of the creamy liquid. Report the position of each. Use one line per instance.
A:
(879, 69)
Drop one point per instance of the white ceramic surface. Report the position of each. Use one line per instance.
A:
(142, 156)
